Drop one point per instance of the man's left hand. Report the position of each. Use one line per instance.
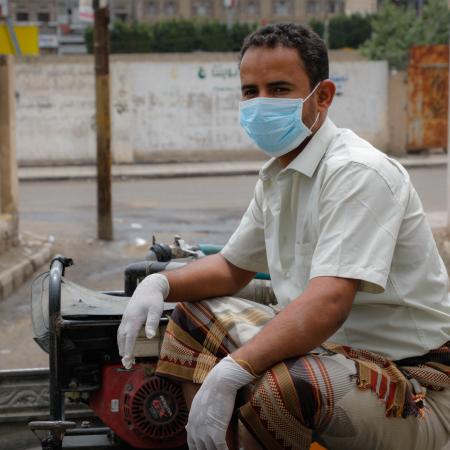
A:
(213, 405)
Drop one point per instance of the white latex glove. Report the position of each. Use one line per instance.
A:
(213, 405)
(145, 305)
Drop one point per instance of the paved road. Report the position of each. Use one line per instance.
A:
(205, 208)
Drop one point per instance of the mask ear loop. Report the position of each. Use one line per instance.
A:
(312, 92)
(317, 118)
(318, 114)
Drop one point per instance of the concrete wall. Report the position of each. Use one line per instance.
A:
(168, 107)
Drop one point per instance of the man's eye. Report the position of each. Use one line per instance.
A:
(247, 92)
(280, 90)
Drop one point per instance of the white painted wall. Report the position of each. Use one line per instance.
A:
(167, 108)
(361, 101)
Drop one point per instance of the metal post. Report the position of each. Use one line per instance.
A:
(8, 163)
(102, 89)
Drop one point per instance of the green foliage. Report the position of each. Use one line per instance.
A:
(238, 32)
(433, 26)
(397, 29)
(174, 36)
(349, 31)
(318, 26)
(89, 39)
(132, 38)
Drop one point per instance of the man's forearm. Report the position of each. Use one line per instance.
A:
(303, 325)
(211, 276)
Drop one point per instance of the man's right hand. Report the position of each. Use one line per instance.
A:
(145, 305)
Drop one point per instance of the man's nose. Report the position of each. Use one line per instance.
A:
(264, 93)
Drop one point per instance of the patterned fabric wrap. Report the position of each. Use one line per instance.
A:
(295, 397)
(400, 385)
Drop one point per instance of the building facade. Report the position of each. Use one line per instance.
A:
(48, 13)
(61, 31)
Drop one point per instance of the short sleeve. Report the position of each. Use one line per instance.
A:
(360, 215)
(246, 248)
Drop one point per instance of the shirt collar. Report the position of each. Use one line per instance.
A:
(308, 160)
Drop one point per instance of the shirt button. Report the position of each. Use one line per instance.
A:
(287, 275)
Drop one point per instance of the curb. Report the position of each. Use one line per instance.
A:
(155, 171)
(180, 170)
(436, 161)
(14, 277)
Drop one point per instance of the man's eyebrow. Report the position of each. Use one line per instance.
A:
(280, 83)
(271, 84)
(248, 86)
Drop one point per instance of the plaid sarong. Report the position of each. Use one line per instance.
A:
(296, 397)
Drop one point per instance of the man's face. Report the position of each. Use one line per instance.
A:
(277, 72)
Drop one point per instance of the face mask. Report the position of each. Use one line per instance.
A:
(275, 124)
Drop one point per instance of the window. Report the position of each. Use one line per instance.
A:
(151, 9)
(251, 8)
(170, 8)
(282, 7)
(335, 6)
(202, 8)
(22, 17)
(43, 17)
(122, 16)
(313, 7)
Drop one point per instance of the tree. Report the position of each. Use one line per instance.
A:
(317, 26)
(392, 35)
(433, 26)
(396, 29)
(174, 36)
(349, 31)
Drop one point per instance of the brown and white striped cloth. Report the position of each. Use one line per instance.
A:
(301, 399)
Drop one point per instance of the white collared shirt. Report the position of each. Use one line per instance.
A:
(342, 208)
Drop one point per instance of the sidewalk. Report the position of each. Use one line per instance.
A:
(18, 263)
(185, 169)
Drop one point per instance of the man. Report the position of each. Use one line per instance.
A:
(355, 270)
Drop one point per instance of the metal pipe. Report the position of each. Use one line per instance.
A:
(54, 309)
(88, 431)
(133, 273)
(81, 324)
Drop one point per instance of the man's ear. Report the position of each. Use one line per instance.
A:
(325, 94)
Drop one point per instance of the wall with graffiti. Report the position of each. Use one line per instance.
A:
(168, 108)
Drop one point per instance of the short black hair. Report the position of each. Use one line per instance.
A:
(311, 48)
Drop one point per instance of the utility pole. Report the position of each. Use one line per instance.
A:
(103, 116)
(8, 164)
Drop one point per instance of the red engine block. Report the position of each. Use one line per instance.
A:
(144, 410)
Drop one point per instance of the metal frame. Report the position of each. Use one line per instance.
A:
(57, 426)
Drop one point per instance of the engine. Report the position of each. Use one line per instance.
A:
(144, 410)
